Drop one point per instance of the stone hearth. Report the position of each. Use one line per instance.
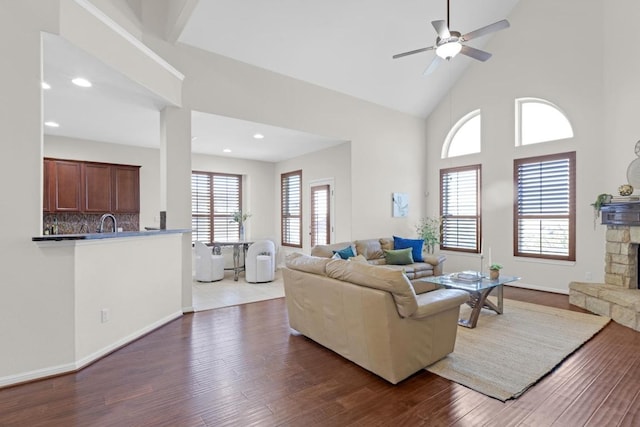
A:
(619, 297)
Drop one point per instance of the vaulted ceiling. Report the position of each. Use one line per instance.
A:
(343, 45)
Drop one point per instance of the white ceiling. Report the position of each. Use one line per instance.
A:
(346, 45)
(343, 45)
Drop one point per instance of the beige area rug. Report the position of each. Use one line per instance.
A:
(506, 354)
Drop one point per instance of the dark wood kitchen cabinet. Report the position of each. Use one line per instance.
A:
(46, 200)
(91, 187)
(97, 185)
(126, 188)
(65, 186)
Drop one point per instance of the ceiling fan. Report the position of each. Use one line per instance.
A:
(450, 43)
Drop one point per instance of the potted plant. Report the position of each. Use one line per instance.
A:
(494, 271)
(429, 230)
(602, 199)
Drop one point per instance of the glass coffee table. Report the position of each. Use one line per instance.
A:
(478, 288)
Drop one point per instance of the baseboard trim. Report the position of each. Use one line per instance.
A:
(78, 365)
(38, 374)
(537, 288)
(85, 361)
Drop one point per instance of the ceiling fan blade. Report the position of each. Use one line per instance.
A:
(441, 29)
(411, 52)
(496, 26)
(434, 64)
(474, 53)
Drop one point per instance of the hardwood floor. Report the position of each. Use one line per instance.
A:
(242, 365)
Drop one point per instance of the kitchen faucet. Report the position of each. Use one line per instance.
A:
(113, 218)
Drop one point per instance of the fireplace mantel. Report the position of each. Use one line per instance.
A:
(619, 296)
(626, 213)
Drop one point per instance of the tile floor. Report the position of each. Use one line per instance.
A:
(227, 292)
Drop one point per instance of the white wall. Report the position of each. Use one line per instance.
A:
(621, 89)
(147, 158)
(331, 163)
(36, 331)
(134, 279)
(526, 63)
(387, 147)
(36, 283)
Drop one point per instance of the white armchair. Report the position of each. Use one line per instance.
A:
(209, 267)
(260, 263)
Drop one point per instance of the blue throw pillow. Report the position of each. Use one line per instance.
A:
(414, 244)
(345, 253)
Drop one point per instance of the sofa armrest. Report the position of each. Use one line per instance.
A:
(437, 261)
(437, 301)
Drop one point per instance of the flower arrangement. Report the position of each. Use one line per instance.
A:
(239, 217)
(495, 266)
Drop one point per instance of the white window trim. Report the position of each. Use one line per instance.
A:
(518, 129)
(455, 128)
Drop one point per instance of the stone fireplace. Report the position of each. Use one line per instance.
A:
(619, 296)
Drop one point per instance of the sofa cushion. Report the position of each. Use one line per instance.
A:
(386, 243)
(326, 251)
(359, 258)
(371, 276)
(345, 253)
(306, 263)
(398, 256)
(415, 245)
(370, 248)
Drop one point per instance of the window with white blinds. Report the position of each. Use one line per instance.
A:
(460, 208)
(291, 208)
(544, 209)
(320, 218)
(214, 199)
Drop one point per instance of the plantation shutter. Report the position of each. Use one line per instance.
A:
(214, 199)
(460, 208)
(291, 209)
(320, 224)
(544, 209)
(226, 201)
(201, 207)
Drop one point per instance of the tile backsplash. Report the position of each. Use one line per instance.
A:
(78, 223)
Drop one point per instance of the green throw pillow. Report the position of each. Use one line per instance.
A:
(398, 256)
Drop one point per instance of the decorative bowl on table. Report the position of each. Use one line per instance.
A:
(625, 190)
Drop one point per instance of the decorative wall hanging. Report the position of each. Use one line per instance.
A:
(400, 204)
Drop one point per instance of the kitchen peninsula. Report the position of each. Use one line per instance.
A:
(114, 287)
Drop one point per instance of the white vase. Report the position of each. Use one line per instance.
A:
(241, 232)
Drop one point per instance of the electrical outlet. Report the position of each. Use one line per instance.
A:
(588, 276)
(104, 315)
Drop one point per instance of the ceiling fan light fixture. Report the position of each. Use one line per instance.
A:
(449, 50)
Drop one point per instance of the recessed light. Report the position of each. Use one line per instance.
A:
(82, 82)
(52, 124)
(46, 85)
(258, 136)
(227, 150)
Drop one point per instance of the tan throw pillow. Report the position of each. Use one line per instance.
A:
(359, 258)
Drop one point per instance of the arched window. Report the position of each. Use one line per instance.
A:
(538, 120)
(464, 136)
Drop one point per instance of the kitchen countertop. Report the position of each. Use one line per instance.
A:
(95, 236)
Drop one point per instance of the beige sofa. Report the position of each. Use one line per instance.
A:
(373, 251)
(370, 314)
